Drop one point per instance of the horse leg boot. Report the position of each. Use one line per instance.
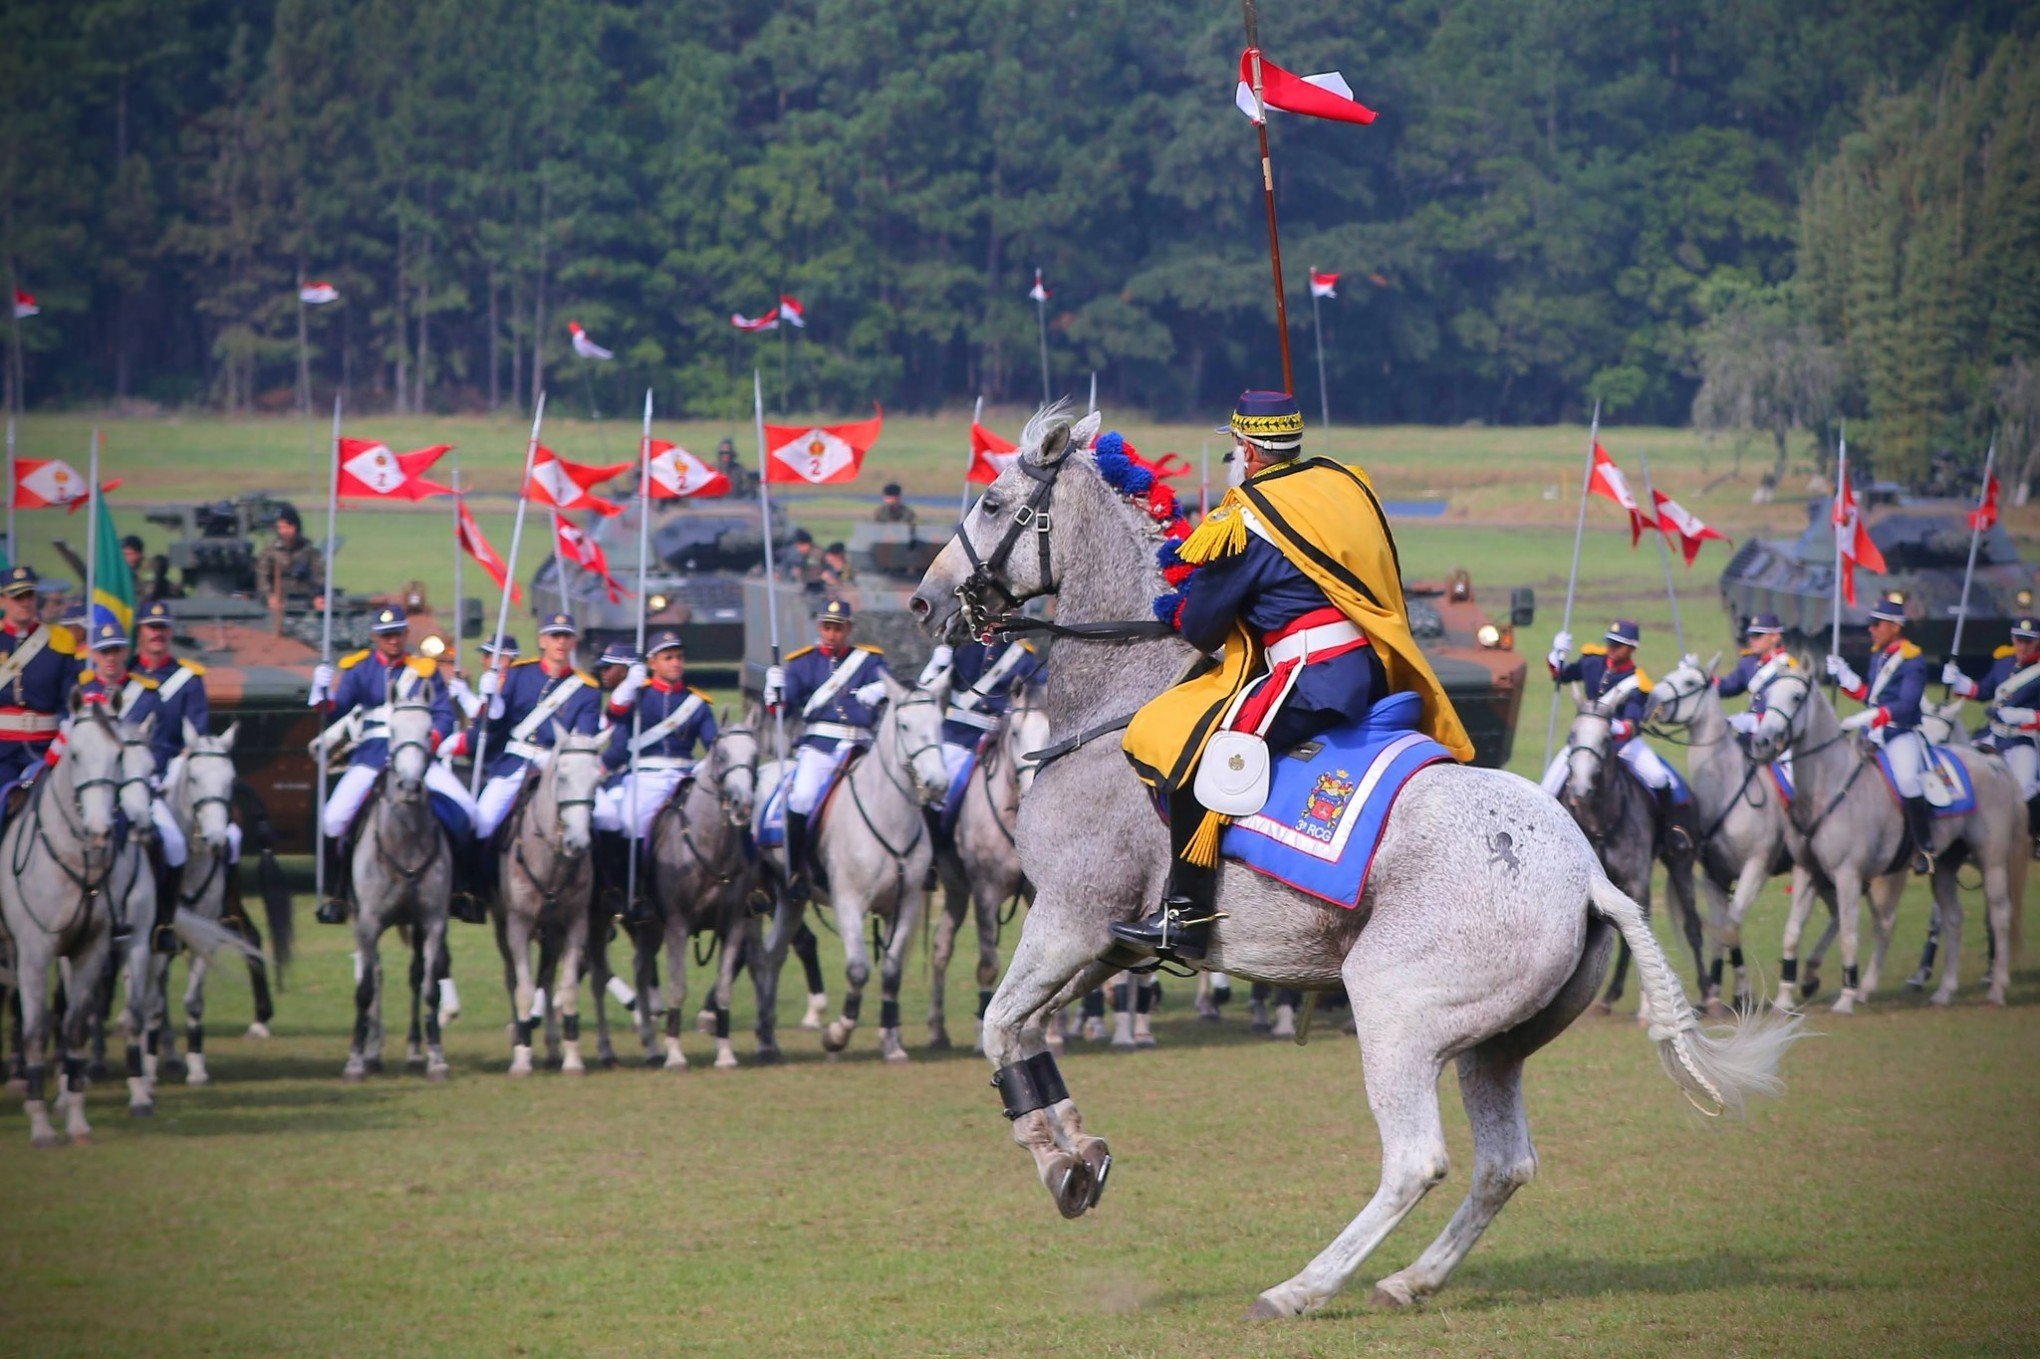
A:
(2033, 823)
(339, 865)
(1181, 927)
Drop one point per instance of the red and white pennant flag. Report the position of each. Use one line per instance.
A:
(792, 312)
(1676, 521)
(1315, 96)
(819, 453)
(564, 485)
(769, 321)
(1039, 292)
(50, 483)
(1985, 516)
(677, 474)
(577, 547)
(1853, 535)
(1608, 481)
(989, 454)
(469, 535)
(318, 294)
(366, 467)
(1323, 284)
(584, 346)
(24, 305)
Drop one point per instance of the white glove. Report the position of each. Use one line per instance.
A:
(491, 683)
(1746, 723)
(1562, 643)
(448, 749)
(457, 689)
(872, 694)
(938, 661)
(1957, 682)
(1839, 670)
(1860, 720)
(322, 684)
(2017, 717)
(775, 685)
(627, 692)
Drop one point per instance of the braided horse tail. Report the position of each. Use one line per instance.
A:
(1718, 1070)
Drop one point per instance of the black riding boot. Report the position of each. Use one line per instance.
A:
(2033, 824)
(333, 908)
(163, 934)
(1919, 819)
(797, 858)
(1181, 927)
(938, 843)
(1680, 835)
(472, 890)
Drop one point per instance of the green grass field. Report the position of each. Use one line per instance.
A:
(1884, 1207)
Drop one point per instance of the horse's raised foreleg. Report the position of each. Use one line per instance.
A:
(1491, 1087)
(850, 916)
(948, 920)
(989, 900)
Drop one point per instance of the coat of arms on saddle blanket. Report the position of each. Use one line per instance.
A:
(1329, 800)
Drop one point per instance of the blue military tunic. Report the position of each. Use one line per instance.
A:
(180, 698)
(2024, 694)
(1262, 589)
(134, 703)
(1737, 681)
(527, 687)
(1898, 692)
(365, 683)
(843, 716)
(33, 699)
(656, 702)
(971, 714)
(1602, 681)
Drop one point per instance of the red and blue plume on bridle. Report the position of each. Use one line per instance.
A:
(1144, 483)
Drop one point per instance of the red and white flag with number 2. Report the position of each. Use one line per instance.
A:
(367, 468)
(1608, 481)
(819, 453)
(564, 485)
(1676, 521)
(677, 474)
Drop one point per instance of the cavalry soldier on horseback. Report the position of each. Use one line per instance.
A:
(2012, 689)
(614, 666)
(834, 687)
(983, 678)
(1897, 683)
(672, 721)
(357, 695)
(1759, 663)
(1610, 677)
(37, 670)
(1295, 575)
(525, 700)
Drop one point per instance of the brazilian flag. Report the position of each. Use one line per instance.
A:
(113, 584)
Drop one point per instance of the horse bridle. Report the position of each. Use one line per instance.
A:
(200, 803)
(899, 736)
(722, 794)
(409, 743)
(986, 572)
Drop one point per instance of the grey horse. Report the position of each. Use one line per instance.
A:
(874, 848)
(1618, 815)
(701, 875)
(547, 891)
(402, 875)
(983, 873)
(1456, 951)
(1852, 833)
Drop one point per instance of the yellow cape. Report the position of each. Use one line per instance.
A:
(1325, 519)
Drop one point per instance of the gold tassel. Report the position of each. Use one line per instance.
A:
(1203, 847)
(1223, 532)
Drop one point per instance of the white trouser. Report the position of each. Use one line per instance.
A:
(168, 833)
(352, 790)
(1907, 753)
(653, 786)
(498, 796)
(2024, 762)
(954, 758)
(1647, 764)
(811, 768)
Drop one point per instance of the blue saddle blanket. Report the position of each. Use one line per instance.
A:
(952, 801)
(1952, 771)
(1329, 801)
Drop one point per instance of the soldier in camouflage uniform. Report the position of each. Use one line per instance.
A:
(290, 573)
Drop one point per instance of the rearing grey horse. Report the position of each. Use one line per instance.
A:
(1455, 952)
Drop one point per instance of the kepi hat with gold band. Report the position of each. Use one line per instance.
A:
(1271, 421)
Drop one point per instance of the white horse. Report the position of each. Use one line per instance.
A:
(984, 872)
(1485, 923)
(874, 848)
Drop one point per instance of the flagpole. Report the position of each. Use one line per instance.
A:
(1324, 395)
(1841, 484)
(326, 630)
(1268, 196)
(1204, 480)
(1093, 408)
(1041, 329)
(977, 415)
(1968, 572)
(637, 707)
(91, 535)
(1664, 556)
(559, 563)
(13, 556)
(1573, 578)
(509, 582)
(453, 643)
(765, 524)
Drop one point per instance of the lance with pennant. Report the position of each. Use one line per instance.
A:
(326, 628)
(1841, 484)
(1665, 557)
(509, 582)
(13, 554)
(1317, 323)
(92, 537)
(977, 415)
(1968, 572)
(453, 639)
(1041, 330)
(765, 532)
(1572, 580)
(1268, 193)
(637, 707)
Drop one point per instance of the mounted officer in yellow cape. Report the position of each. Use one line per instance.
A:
(1295, 574)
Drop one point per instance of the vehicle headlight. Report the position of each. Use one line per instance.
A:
(1489, 635)
(656, 603)
(434, 645)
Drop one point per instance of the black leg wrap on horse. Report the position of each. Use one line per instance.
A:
(194, 1039)
(722, 1021)
(673, 1023)
(984, 1002)
(570, 1028)
(1094, 1005)
(1849, 976)
(34, 1080)
(853, 1005)
(1033, 1084)
(888, 1014)
(74, 1075)
(1144, 993)
(524, 1027)
(1714, 973)
(134, 1060)
(1735, 957)
(1788, 970)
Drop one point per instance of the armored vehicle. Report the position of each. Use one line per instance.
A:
(1925, 542)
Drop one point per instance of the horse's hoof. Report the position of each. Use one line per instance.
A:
(1069, 1181)
(47, 1140)
(938, 1039)
(1601, 1008)
(1145, 1041)
(414, 1055)
(1715, 1011)
(438, 1072)
(655, 1060)
(375, 1067)
(173, 1066)
(836, 1036)
(1098, 1161)
(197, 1076)
(95, 1070)
(768, 1056)
(726, 1061)
(606, 1060)
(352, 1073)
(1265, 1309)
(1996, 997)
(1392, 1293)
(141, 1111)
(520, 1062)
(1809, 985)
(1941, 999)
(1845, 1004)
(257, 1030)
(897, 1054)
(81, 1139)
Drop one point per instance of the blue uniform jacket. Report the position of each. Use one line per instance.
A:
(525, 686)
(968, 666)
(365, 681)
(2027, 695)
(1737, 681)
(809, 668)
(655, 702)
(37, 697)
(177, 702)
(135, 704)
(1260, 588)
(1594, 674)
(1903, 691)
